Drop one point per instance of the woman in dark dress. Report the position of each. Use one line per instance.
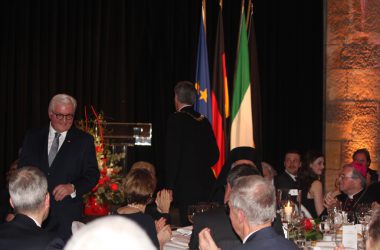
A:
(139, 188)
(310, 183)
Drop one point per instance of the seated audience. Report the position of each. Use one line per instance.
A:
(139, 187)
(309, 179)
(161, 207)
(252, 206)
(237, 156)
(288, 179)
(363, 157)
(28, 189)
(352, 185)
(111, 232)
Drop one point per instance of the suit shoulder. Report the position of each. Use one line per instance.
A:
(81, 133)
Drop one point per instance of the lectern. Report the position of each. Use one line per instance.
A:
(119, 136)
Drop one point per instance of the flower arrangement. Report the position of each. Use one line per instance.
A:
(109, 187)
(312, 231)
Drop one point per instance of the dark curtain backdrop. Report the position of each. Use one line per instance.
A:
(124, 57)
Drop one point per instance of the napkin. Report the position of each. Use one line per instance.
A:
(185, 230)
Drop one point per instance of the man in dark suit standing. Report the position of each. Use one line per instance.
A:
(288, 179)
(190, 152)
(30, 199)
(66, 155)
(252, 208)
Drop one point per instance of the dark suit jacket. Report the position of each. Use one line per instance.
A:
(284, 181)
(22, 233)
(267, 239)
(222, 232)
(221, 229)
(190, 152)
(74, 163)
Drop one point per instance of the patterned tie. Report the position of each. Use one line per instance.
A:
(54, 148)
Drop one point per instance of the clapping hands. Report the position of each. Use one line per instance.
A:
(163, 200)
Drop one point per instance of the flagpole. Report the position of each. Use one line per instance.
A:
(249, 17)
(238, 41)
(204, 14)
(248, 21)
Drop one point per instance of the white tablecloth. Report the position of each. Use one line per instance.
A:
(180, 239)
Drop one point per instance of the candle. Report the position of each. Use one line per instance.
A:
(288, 211)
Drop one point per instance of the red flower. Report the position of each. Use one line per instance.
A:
(104, 161)
(103, 180)
(104, 171)
(114, 186)
(307, 224)
(98, 149)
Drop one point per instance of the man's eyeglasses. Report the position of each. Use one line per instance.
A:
(342, 176)
(59, 116)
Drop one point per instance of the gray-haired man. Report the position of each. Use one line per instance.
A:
(31, 201)
(252, 208)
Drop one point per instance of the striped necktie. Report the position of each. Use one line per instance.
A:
(54, 148)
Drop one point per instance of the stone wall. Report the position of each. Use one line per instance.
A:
(352, 90)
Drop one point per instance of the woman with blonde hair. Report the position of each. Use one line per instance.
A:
(139, 187)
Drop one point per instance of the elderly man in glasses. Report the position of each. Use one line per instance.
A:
(66, 155)
(352, 186)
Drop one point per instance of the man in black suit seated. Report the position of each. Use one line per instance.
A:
(353, 189)
(252, 209)
(31, 201)
(217, 219)
(66, 155)
(288, 179)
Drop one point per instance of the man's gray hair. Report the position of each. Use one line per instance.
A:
(185, 92)
(63, 99)
(256, 198)
(357, 175)
(110, 232)
(27, 189)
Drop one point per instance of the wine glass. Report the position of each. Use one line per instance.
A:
(338, 222)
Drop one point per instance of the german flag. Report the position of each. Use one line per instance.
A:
(220, 98)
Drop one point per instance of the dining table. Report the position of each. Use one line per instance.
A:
(181, 237)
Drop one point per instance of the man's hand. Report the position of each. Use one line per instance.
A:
(206, 242)
(62, 190)
(330, 199)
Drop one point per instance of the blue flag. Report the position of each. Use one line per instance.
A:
(202, 77)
